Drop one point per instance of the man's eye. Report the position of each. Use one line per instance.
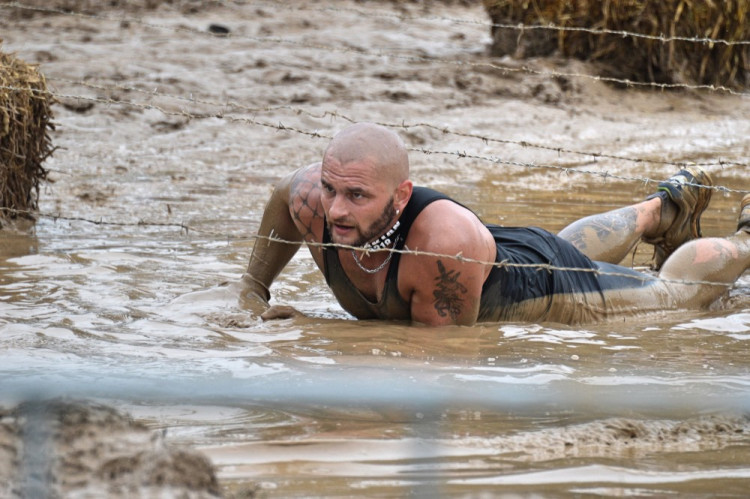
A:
(357, 195)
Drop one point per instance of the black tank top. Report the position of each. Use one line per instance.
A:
(391, 305)
(509, 292)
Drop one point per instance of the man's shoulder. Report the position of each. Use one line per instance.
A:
(446, 225)
(305, 179)
(304, 200)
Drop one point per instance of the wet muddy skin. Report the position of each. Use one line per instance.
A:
(162, 120)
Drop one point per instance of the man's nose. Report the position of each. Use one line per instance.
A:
(337, 208)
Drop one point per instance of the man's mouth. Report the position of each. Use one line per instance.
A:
(341, 229)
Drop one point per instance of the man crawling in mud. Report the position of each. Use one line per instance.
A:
(390, 250)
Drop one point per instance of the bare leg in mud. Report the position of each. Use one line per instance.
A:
(687, 277)
(711, 259)
(609, 237)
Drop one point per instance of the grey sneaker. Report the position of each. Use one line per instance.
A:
(686, 190)
(743, 223)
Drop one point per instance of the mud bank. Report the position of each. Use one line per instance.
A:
(66, 449)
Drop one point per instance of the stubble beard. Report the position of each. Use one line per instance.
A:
(375, 230)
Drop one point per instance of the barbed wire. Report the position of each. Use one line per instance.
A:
(403, 125)
(569, 170)
(320, 135)
(383, 54)
(517, 26)
(390, 55)
(55, 217)
(181, 113)
(662, 38)
(186, 229)
(559, 150)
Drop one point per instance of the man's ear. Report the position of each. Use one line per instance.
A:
(402, 195)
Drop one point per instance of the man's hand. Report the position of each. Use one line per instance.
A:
(259, 307)
(253, 302)
(280, 312)
(253, 297)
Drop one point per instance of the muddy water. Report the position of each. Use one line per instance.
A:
(170, 141)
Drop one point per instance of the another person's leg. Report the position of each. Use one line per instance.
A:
(666, 219)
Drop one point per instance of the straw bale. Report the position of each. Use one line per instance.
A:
(638, 59)
(25, 123)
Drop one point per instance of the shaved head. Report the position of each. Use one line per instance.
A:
(377, 145)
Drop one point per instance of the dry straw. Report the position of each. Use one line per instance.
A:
(25, 122)
(644, 59)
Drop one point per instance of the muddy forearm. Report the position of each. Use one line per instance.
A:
(277, 242)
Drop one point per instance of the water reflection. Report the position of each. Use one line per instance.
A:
(16, 243)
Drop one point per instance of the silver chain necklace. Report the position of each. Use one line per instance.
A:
(379, 267)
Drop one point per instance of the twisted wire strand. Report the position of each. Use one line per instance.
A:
(391, 55)
(662, 38)
(231, 104)
(320, 135)
(517, 26)
(186, 229)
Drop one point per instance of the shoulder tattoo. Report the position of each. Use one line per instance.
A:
(305, 194)
(448, 292)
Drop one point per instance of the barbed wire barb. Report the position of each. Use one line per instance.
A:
(227, 105)
(380, 53)
(281, 127)
(273, 238)
(404, 125)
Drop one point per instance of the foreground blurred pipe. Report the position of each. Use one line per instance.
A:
(36, 465)
(409, 389)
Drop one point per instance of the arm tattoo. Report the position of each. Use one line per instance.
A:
(447, 290)
(303, 190)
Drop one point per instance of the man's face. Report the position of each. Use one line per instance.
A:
(358, 205)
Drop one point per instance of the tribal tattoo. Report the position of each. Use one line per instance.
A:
(447, 292)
